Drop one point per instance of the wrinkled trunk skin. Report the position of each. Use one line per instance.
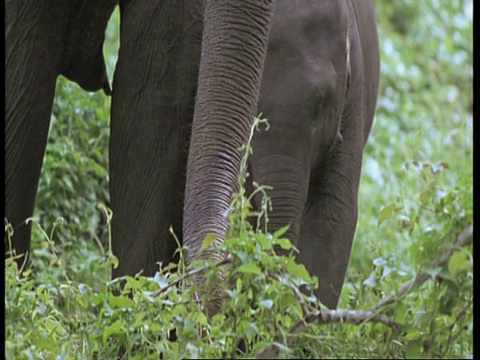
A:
(233, 52)
(43, 39)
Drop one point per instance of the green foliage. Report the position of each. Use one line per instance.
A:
(74, 175)
(134, 316)
(419, 156)
(415, 198)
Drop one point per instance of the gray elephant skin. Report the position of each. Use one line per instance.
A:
(190, 77)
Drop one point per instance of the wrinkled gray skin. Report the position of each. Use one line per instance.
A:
(319, 90)
(43, 39)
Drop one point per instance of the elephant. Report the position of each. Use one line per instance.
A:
(190, 77)
(43, 39)
(318, 91)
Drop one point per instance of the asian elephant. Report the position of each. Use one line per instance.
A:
(190, 77)
(43, 39)
(319, 92)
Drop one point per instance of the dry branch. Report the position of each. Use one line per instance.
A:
(360, 316)
(463, 239)
(313, 316)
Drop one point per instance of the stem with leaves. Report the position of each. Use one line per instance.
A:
(314, 316)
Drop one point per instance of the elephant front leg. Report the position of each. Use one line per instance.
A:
(152, 106)
(33, 54)
(288, 178)
(330, 218)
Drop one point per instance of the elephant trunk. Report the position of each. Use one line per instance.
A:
(233, 52)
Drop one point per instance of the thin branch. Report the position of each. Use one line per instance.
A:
(461, 314)
(307, 311)
(361, 316)
(415, 200)
(354, 317)
(465, 238)
(327, 317)
(193, 272)
(313, 316)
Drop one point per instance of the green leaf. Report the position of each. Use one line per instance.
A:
(434, 272)
(387, 212)
(280, 231)
(46, 344)
(422, 318)
(298, 270)
(54, 326)
(459, 262)
(448, 302)
(248, 328)
(285, 244)
(134, 283)
(120, 302)
(112, 330)
(264, 241)
(209, 239)
(448, 279)
(414, 350)
(201, 319)
(250, 268)
(239, 285)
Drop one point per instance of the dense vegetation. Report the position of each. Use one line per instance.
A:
(415, 200)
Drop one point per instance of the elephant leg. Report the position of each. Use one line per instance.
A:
(284, 156)
(330, 218)
(288, 176)
(33, 55)
(152, 108)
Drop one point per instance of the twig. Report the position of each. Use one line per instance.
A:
(415, 200)
(463, 239)
(305, 308)
(354, 317)
(193, 272)
(323, 317)
(452, 325)
(361, 316)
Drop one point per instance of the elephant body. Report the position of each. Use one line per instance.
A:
(318, 91)
(43, 39)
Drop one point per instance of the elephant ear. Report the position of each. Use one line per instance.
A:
(83, 60)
